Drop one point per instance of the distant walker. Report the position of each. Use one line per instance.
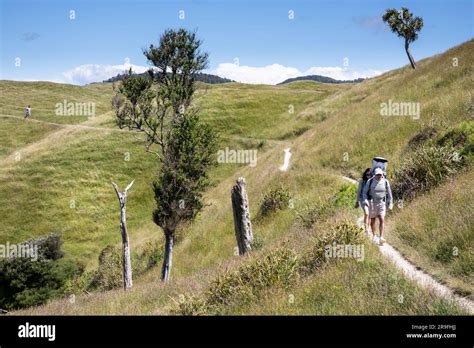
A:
(28, 112)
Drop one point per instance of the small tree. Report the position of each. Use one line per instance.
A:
(404, 25)
(160, 108)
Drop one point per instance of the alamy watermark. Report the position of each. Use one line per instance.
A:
(344, 251)
(18, 250)
(237, 156)
(75, 109)
(393, 108)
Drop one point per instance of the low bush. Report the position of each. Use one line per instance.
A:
(150, 256)
(274, 200)
(29, 281)
(278, 267)
(460, 137)
(425, 169)
(345, 197)
(439, 157)
(257, 243)
(317, 211)
(109, 274)
(344, 232)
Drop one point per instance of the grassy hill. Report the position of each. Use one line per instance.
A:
(333, 130)
(66, 174)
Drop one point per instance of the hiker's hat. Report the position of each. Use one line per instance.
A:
(378, 171)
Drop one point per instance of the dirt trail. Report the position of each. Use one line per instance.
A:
(62, 125)
(412, 272)
(64, 131)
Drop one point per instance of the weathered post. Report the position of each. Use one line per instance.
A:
(127, 265)
(242, 223)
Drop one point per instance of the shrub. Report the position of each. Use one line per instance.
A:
(109, 274)
(26, 281)
(278, 267)
(318, 211)
(148, 257)
(345, 197)
(257, 242)
(344, 232)
(274, 200)
(153, 253)
(193, 305)
(81, 283)
(460, 137)
(424, 169)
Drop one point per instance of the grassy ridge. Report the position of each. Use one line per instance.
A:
(43, 97)
(443, 91)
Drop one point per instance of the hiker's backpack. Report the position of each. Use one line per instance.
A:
(379, 162)
(370, 181)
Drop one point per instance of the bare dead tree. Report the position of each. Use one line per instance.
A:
(127, 265)
(242, 223)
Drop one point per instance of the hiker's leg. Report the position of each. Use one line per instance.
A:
(366, 217)
(372, 225)
(381, 224)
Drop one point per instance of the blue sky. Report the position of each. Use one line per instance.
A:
(249, 41)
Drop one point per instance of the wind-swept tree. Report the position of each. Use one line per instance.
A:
(404, 25)
(160, 109)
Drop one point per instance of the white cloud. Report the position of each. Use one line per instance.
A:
(276, 73)
(88, 73)
(269, 74)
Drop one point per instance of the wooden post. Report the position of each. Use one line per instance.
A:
(127, 265)
(242, 223)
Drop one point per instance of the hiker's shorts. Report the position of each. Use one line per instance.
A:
(377, 209)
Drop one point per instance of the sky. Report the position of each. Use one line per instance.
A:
(259, 41)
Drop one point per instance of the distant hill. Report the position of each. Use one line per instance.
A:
(319, 78)
(201, 77)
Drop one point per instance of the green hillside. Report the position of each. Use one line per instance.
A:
(334, 130)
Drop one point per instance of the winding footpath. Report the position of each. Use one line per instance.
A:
(412, 272)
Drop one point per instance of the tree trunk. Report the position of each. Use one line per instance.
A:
(412, 61)
(126, 263)
(168, 257)
(242, 223)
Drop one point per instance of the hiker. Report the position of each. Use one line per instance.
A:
(378, 195)
(359, 199)
(27, 111)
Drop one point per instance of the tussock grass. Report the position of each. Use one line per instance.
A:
(435, 232)
(278, 198)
